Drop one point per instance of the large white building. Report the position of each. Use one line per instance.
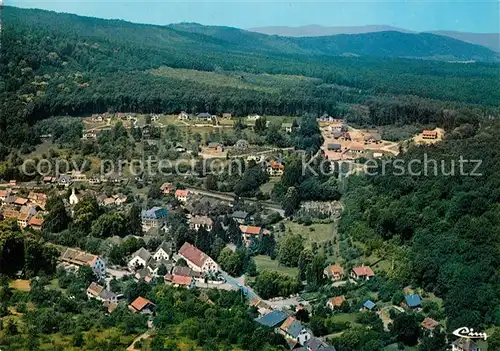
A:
(197, 260)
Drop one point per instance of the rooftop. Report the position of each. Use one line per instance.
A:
(272, 318)
(193, 254)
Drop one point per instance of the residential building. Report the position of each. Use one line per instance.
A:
(36, 223)
(275, 169)
(26, 213)
(253, 117)
(182, 195)
(242, 144)
(294, 330)
(197, 222)
(5, 194)
(334, 147)
(287, 127)
(155, 217)
(81, 258)
(197, 259)
(412, 301)
(89, 135)
(204, 116)
(369, 306)
(166, 188)
(429, 325)
(163, 252)
(187, 272)
(334, 272)
(374, 138)
(20, 201)
(216, 146)
(273, 319)
(142, 305)
(250, 233)
(315, 344)
(357, 149)
(240, 216)
(338, 126)
(139, 259)
(464, 344)
(335, 302)
(179, 280)
(363, 272)
(183, 116)
(429, 134)
(227, 115)
(98, 292)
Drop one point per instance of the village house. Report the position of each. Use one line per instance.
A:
(334, 147)
(250, 233)
(155, 217)
(95, 291)
(374, 138)
(293, 330)
(429, 325)
(357, 149)
(182, 195)
(187, 272)
(346, 136)
(38, 199)
(275, 169)
(65, 180)
(198, 222)
(464, 344)
(36, 223)
(80, 258)
(5, 195)
(334, 272)
(89, 135)
(287, 127)
(363, 272)
(242, 144)
(49, 179)
(412, 301)
(337, 135)
(272, 319)
(142, 305)
(20, 201)
(26, 213)
(204, 116)
(338, 126)
(335, 302)
(315, 344)
(143, 274)
(94, 180)
(240, 217)
(369, 306)
(227, 116)
(166, 188)
(179, 148)
(183, 116)
(253, 117)
(179, 280)
(163, 252)
(429, 134)
(197, 260)
(139, 259)
(216, 146)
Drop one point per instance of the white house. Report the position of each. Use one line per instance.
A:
(163, 252)
(139, 258)
(293, 329)
(197, 260)
(95, 291)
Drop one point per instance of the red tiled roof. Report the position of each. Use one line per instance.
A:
(139, 303)
(181, 192)
(193, 254)
(181, 280)
(357, 148)
(3, 193)
(429, 132)
(337, 301)
(335, 269)
(429, 323)
(249, 229)
(287, 323)
(38, 222)
(21, 201)
(276, 165)
(363, 271)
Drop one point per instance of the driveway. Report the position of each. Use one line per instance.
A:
(238, 283)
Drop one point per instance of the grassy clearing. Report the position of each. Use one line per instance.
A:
(344, 317)
(316, 232)
(20, 284)
(268, 187)
(265, 263)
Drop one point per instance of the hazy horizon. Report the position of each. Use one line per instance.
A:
(411, 16)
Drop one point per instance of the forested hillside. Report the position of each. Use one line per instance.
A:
(446, 227)
(65, 64)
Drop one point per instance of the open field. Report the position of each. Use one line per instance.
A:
(316, 232)
(265, 263)
(20, 284)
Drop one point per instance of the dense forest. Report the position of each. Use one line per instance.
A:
(71, 65)
(445, 226)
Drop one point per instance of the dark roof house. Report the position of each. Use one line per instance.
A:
(272, 319)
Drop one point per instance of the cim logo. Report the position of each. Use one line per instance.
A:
(469, 333)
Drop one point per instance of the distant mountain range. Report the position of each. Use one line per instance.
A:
(194, 39)
(489, 40)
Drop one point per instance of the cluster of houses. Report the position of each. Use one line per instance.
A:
(27, 211)
(297, 336)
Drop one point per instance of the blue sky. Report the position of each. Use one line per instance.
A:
(470, 16)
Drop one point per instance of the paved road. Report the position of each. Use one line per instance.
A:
(238, 284)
